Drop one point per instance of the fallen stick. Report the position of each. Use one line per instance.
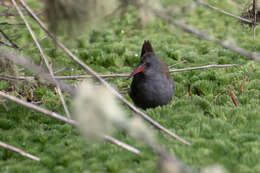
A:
(19, 151)
(66, 120)
(7, 77)
(100, 79)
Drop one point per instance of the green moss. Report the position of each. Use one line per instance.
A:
(220, 133)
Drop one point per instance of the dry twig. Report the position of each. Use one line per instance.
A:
(19, 151)
(178, 63)
(39, 40)
(255, 15)
(6, 43)
(223, 11)
(11, 24)
(101, 80)
(6, 77)
(243, 84)
(219, 94)
(233, 96)
(44, 57)
(12, 44)
(189, 90)
(66, 120)
(190, 29)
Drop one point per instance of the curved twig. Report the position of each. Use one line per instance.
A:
(66, 120)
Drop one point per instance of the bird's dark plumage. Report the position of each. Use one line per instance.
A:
(152, 84)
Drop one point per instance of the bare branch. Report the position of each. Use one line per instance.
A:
(178, 63)
(6, 43)
(101, 80)
(11, 24)
(10, 41)
(44, 57)
(42, 38)
(204, 67)
(255, 13)
(19, 151)
(7, 77)
(190, 29)
(66, 120)
(223, 11)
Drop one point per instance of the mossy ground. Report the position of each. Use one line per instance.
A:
(220, 133)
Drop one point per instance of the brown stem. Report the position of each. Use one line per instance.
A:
(255, 13)
(243, 84)
(233, 96)
(19, 151)
(189, 90)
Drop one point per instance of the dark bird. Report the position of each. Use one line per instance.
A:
(152, 84)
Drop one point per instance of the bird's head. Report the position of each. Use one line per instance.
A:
(149, 65)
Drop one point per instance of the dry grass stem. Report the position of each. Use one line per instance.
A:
(233, 96)
(243, 84)
(19, 151)
(189, 90)
(44, 57)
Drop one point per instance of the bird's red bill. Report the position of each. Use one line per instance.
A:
(139, 69)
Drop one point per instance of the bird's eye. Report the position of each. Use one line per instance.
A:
(147, 64)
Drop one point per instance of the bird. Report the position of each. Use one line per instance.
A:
(152, 84)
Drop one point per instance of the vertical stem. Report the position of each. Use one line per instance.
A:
(44, 57)
(255, 13)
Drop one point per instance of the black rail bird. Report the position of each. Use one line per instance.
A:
(152, 84)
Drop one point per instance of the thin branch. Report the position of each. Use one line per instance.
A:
(243, 84)
(255, 13)
(6, 43)
(190, 29)
(93, 73)
(204, 67)
(7, 77)
(44, 57)
(19, 151)
(66, 120)
(11, 24)
(219, 94)
(10, 41)
(223, 11)
(178, 63)
(39, 40)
